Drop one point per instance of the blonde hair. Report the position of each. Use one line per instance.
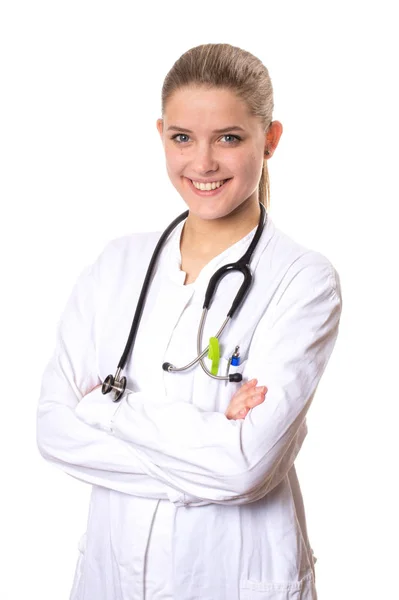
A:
(228, 67)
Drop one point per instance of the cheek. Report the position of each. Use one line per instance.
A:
(250, 167)
(175, 162)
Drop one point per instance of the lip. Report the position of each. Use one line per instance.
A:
(214, 192)
(208, 180)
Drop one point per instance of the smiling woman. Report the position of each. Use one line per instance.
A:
(194, 487)
(206, 161)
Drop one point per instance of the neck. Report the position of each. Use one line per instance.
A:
(210, 237)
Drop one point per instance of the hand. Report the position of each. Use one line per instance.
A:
(244, 399)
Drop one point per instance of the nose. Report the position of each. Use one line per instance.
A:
(204, 160)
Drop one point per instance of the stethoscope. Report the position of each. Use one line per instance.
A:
(118, 383)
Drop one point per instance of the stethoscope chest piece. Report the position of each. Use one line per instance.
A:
(116, 384)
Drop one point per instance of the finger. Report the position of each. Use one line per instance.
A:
(257, 399)
(243, 390)
(250, 383)
(242, 413)
(260, 389)
(251, 403)
(239, 401)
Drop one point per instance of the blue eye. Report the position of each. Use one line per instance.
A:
(228, 135)
(174, 137)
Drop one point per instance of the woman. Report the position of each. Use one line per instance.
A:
(194, 489)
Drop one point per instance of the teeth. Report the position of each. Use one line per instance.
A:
(208, 186)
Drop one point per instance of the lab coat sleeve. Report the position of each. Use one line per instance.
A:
(64, 440)
(238, 461)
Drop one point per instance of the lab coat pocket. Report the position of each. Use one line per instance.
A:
(76, 586)
(229, 388)
(303, 589)
(225, 362)
(211, 394)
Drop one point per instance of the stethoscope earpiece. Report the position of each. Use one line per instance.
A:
(235, 377)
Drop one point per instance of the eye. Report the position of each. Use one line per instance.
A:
(230, 135)
(174, 137)
(235, 139)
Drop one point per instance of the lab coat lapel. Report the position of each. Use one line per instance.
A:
(165, 303)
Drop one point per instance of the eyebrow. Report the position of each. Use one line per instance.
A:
(224, 130)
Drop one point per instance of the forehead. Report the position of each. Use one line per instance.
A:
(206, 108)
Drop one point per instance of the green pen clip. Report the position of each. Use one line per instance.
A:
(214, 354)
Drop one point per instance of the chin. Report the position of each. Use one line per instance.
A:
(209, 213)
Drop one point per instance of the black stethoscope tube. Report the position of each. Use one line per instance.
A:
(146, 285)
(241, 265)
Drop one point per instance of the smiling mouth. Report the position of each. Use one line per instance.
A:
(210, 186)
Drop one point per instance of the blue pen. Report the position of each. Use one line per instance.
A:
(235, 359)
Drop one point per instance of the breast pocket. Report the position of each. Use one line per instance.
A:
(212, 394)
(225, 368)
(265, 590)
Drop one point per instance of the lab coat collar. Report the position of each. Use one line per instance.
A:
(173, 259)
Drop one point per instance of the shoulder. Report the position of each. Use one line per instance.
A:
(124, 252)
(127, 245)
(291, 260)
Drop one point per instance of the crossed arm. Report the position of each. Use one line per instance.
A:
(166, 448)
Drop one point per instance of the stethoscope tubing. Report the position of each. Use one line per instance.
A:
(242, 265)
(144, 291)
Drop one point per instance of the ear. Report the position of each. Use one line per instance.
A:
(272, 138)
(160, 126)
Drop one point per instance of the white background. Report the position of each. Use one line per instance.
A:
(82, 163)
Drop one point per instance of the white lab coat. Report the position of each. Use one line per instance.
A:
(222, 495)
